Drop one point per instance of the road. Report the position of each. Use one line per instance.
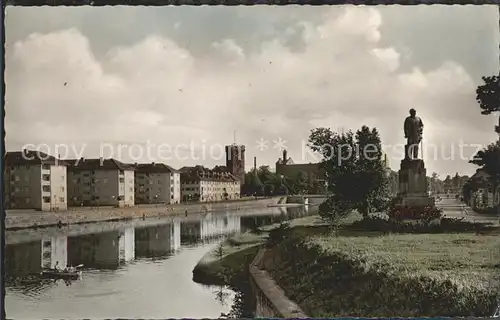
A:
(455, 209)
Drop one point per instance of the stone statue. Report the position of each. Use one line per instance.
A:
(413, 128)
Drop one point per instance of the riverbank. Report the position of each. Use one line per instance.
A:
(371, 274)
(26, 219)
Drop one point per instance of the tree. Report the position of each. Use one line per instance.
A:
(355, 171)
(252, 183)
(489, 160)
(488, 97)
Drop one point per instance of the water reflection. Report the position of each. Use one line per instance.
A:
(157, 241)
(117, 262)
(208, 228)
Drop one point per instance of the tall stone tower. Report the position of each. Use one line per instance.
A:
(235, 161)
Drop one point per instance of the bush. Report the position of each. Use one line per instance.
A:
(425, 214)
(446, 225)
(335, 209)
(278, 234)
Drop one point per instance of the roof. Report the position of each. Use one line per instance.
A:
(288, 161)
(30, 157)
(97, 164)
(198, 173)
(153, 168)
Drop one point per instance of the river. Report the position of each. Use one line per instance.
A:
(134, 269)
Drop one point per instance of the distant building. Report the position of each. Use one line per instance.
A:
(34, 180)
(482, 196)
(287, 168)
(100, 182)
(205, 185)
(157, 183)
(235, 161)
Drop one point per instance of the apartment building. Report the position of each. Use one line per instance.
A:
(205, 185)
(34, 180)
(157, 183)
(100, 182)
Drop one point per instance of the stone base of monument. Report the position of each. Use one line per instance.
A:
(413, 188)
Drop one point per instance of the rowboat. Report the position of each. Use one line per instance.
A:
(56, 274)
(68, 274)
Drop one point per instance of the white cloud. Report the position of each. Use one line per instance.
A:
(158, 91)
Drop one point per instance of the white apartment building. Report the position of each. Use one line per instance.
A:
(100, 182)
(157, 183)
(34, 180)
(205, 185)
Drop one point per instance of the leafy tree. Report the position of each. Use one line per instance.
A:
(355, 171)
(269, 189)
(488, 97)
(489, 160)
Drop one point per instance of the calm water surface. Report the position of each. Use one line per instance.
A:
(139, 269)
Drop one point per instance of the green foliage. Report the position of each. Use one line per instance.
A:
(488, 96)
(489, 160)
(426, 214)
(445, 225)
(356, 174)
(278, 234)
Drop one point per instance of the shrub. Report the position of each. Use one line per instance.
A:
(278, 234)
(446, 225)
(425, 214)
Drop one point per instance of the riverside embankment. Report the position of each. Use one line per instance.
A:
(24, 219)
(354, 272)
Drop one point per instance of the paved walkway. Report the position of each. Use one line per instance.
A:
(456, 209)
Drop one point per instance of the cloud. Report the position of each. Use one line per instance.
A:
(157, 89)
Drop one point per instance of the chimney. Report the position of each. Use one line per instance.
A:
(153, 163)
(255, 163)
(284, 157)
(135, 164)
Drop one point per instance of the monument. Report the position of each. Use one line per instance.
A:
(412, 174)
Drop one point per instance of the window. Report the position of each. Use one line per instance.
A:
(122, 180)
(46, 188)
(46, 199)
(172, 196)
(17, 190)
(46, 177)
(14, 178)
(45, 167)
(27, 200)
(62, 189)
(131, 189)
(159, 181)
(61, 199)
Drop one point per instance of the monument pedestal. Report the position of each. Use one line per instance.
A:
(413, 185)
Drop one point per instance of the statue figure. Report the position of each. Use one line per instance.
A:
(413, 128)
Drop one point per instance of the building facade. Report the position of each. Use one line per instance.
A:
(205, 185)
(100, 182)
(235, 161)
(287, 168)
(34, 180)
(157, 183)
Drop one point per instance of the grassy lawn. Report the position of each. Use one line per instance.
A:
(464, 259)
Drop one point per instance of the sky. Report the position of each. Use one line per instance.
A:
(176, 84)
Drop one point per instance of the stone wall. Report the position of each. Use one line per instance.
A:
(271, 301)
(30, 218)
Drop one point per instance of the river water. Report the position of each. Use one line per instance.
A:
(135, 269)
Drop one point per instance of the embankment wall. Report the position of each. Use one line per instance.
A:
(30, 218)
(271, 300)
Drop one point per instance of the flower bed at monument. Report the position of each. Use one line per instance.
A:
(411, 213)
(389, 275)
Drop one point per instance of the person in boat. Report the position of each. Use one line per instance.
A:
(56, 267)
